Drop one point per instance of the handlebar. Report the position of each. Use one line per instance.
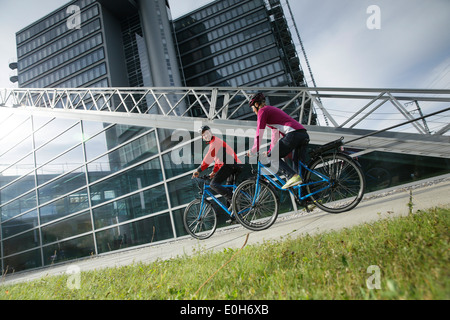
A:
(200, 179)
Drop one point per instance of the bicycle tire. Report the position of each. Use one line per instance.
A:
(204, 227)
(256, 217)
(346, 187)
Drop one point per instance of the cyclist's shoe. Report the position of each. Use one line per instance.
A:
(294, 181)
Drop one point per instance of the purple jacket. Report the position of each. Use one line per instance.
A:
(280, 123)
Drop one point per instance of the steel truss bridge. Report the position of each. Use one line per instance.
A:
(404, 121)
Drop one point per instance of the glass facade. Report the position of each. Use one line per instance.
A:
(71, 189)
(132, 35)
(52, 55)
(234, 43)
(87, 188)
(225, 50)
(226, 43)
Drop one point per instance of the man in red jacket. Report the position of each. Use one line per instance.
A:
(226, 163)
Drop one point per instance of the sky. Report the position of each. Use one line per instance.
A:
(402, 44)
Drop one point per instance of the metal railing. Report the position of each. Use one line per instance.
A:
(352, 108)
(404, 121)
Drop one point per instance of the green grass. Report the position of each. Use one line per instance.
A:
(412, 254)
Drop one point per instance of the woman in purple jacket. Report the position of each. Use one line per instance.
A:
(294, 137)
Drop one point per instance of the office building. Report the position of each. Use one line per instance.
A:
(238, 43)
(235, 43)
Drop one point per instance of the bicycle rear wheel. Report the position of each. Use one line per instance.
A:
(346, 186)
(200, 221)
(255, 208)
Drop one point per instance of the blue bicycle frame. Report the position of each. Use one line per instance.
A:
(279, 182)
(206, 192)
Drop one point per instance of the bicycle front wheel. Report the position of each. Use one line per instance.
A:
(255, 207)
(200, 220)
(345, 187)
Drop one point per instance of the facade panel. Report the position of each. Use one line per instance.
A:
(233, 43)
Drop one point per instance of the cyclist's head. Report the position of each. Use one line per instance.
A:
(205, 132)
(259, 99)
(203, 129)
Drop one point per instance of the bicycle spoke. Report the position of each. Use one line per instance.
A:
(345, 187)
(200, 219)
(256, 208)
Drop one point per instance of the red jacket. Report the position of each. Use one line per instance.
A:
(216, 153)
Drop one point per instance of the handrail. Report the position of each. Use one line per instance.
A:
(352, 108)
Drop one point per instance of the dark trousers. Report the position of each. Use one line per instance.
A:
(224, 174)
(295, 142)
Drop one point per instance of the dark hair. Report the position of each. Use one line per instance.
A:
(259, 97)
(203, 129)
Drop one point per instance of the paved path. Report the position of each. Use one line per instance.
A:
(387, 203)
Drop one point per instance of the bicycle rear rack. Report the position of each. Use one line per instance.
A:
(326, 147)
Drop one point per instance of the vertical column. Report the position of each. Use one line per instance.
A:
(161, 54)
(88, 187)
(160, 45)
(38, 210)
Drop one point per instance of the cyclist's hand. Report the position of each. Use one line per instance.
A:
(212, 174)
(195, 174)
